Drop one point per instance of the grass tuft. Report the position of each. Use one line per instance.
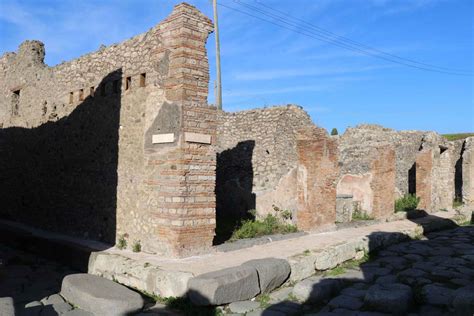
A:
(268, 226)
(407, 203)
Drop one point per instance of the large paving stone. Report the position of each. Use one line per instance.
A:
(316, 289)
(243, 306)
(224, 286)
(6, 306)
(272, 272)
(436, 294)
(100, 296)
(464, 300)
(392, 298)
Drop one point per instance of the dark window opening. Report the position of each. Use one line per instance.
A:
(91, 91)
(442, 149)
(128, 83)
(142, 79)
(81, 95)
(412, 179)
(116, 86)
(71, 97)
(458, 176)
(15, 102)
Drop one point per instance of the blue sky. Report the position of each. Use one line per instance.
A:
(265, 65)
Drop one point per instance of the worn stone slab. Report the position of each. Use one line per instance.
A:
(197, 138)
(316, 289)
(463, 302)
(437, 294)
(224, 286)
(272, 272)
(243, 306)
(6, 306)
(77, 312)
(100, 296)
(392, 298)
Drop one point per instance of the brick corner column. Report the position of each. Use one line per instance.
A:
(424, 167)
(383, 182)
(183, 175)
(316, 179)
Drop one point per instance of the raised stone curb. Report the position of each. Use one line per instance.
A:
(100, 296)
(143, 276)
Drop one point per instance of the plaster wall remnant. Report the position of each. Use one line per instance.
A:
(316, 181)
(257, 159)
(84, 163)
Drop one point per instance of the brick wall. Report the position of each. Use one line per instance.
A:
(317, 174)
(383, 182)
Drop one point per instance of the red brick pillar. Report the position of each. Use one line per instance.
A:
(424, 167)
(383, 182)
(316, 180)
(182, 164)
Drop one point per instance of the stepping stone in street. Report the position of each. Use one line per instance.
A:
(100, 296)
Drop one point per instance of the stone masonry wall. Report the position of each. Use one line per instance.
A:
(357, 144)
(116, 142)
(317, 175)
(257, 159)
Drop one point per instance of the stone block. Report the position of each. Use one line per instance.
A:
(100, 296)
(272, 272)
(224, 286)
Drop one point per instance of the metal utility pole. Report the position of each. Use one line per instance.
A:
(218, 87)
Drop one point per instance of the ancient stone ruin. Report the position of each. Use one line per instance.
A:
(121, 143)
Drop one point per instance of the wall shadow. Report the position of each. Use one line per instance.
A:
(234, 182)
(62, 176)
(458, 178)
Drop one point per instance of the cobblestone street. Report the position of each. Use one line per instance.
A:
(430, 276)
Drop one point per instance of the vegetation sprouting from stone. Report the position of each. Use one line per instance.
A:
(122, 242)
(457, 202)
(409, 202)
(269, 225)
(457, 136)
(334, 131)
(137, 246)
(360, 215)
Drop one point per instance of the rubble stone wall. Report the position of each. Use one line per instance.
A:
(257, 159)
(118, 142)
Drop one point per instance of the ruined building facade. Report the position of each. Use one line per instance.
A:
(116, 143)
(121, 144)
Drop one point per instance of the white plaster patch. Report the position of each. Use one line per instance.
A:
(162, 138)
(197, 138)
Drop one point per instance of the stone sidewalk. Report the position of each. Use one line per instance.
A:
(315, 251)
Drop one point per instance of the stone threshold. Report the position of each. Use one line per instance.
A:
(306, 254)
